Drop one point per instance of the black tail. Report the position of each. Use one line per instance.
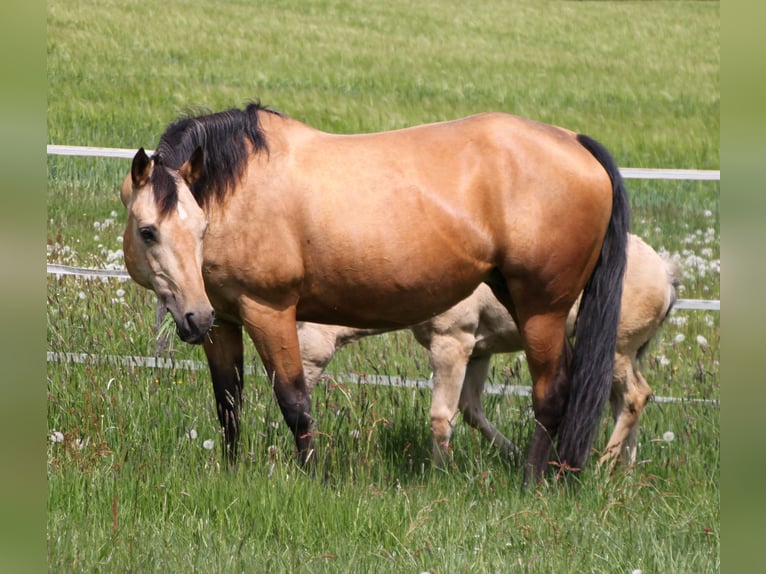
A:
(597, 322)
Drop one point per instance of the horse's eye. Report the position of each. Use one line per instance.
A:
(148, 234)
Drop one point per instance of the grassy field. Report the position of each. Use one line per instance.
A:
(132, 484)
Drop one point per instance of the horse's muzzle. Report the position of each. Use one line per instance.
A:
(195, 326)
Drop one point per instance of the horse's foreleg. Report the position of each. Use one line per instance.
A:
(471, 407)
(274, 333)
(224, 351)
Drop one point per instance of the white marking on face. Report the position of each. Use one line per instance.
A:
(182, 212)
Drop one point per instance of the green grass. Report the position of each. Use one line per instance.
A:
(128, 489)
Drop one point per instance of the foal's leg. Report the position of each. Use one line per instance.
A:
(629, 395)
(471, 407)
(448, 354)
(224, 351)
(318, 345)
(274, 333)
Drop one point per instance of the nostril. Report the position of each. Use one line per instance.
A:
(190, 320)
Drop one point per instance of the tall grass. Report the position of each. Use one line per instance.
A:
(132, 484)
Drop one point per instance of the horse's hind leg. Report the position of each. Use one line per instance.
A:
(471, 407)
(224, 351)
(549, 356)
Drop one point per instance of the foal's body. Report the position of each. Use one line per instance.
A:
(382, 230)
(462, 340)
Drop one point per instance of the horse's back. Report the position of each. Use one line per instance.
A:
(426, 211)
(648, 294)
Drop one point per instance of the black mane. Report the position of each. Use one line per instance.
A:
(223, 138)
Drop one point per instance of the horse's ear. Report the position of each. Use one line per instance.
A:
(141, 168)
(191, 171)
(126, 190)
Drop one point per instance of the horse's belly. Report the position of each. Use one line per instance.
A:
(382, 305)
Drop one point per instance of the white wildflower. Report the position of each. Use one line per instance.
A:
(209, 444)
(680, 338)
(701, 341)
(192, 434)
(668, 436)
(57, 436)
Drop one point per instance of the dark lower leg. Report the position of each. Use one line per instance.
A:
(295, 403)
(224, 351)
(548, 415)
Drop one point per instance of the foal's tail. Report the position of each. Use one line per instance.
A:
(596, 330)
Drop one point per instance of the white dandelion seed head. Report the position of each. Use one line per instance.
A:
(668, 436)
(209, 444)
(680, 338)
(664, 361)
(115, 258)
(702, 341)
(57, 436)
(81, 295)
(192, 434)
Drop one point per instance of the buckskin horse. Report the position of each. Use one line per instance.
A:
(462, 340)
(249, 218)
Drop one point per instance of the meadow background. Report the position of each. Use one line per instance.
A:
(131, 482)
